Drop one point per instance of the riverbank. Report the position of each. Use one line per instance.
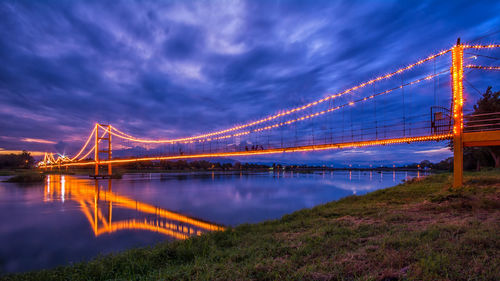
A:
(23, 176)
(421, 230)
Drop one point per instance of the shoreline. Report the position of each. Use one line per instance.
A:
(11, 172)
(38, 175)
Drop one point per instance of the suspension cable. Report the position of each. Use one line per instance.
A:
(311, 104)
(122, 135)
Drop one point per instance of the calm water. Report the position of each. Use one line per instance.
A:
(68, 218)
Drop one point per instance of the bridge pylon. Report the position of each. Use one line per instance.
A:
(457, 74)
(467, 138)
(106, 136)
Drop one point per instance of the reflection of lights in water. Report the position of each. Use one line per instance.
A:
(48, 184)
(63, 183)
(350, 175)
(371, 175)
(394, 176)
(418, 174)
(99, 214)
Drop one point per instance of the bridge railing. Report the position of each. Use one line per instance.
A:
(482, 122)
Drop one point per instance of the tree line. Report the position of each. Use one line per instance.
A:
(24, 160)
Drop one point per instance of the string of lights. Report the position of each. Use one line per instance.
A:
(93, 148)
(352, 103)
(458, 101)
(482, 67)
(85, 145)
(235, 131)
(49, 158)
(120, 134)
(490, 46)
(290, 111)
(52, 159)
(273, 151)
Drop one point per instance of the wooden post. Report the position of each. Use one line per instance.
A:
(457, 74)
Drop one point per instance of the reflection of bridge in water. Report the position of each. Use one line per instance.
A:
(97, 205)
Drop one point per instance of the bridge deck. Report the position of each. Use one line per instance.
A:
(272, 151)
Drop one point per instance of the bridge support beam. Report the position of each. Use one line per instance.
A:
(110, 169)
(96, 150)
(457, 73)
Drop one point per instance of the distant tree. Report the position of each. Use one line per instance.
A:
(425, 164)
(24, 160)
(237, 166)
(446, 164)
(27, 161)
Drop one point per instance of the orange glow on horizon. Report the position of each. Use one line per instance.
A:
(8, 151)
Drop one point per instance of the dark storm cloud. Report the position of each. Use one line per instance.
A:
(175, 68)
(185, 42)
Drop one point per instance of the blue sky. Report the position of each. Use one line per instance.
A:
(178, 68)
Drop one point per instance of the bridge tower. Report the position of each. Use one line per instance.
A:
(457, 74)
(106, 136)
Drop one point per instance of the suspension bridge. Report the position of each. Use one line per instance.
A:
(421, 102)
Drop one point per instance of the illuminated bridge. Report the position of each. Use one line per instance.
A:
(97, 204)
(428, 100)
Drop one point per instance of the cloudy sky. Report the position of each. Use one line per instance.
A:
(177, 68)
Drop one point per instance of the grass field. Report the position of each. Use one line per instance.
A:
(420, 230)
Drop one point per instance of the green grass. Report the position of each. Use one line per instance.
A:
(421, 230)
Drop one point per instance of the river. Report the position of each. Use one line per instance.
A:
(69, 218)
